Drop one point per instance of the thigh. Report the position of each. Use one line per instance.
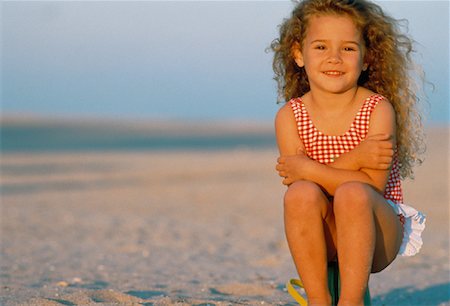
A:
(304, 198)
(388, 229)
(389, 234)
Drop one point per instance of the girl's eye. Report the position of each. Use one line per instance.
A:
(320, 47)
(349, 49)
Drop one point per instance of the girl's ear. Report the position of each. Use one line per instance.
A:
(297, 55)
(365, 66)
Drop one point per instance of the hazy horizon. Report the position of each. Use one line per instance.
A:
(156, 60)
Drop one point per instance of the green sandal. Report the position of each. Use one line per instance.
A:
(334, 286)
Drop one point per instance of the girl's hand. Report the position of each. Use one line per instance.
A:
(293, 168)
(374, 152)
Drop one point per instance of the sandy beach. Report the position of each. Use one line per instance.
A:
(183, 228)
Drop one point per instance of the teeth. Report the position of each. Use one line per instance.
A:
(333, 72)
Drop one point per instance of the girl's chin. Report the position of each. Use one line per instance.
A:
(337, 89)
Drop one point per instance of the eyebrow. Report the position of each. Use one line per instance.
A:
(345, 42)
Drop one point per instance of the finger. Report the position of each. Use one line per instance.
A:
(381, 163)
(386, 160)
(387, 152)
(280, 167)
(282, 174)
(385, 166)
(386, 144)
(287, 181)
(281, 159)
(382, 167)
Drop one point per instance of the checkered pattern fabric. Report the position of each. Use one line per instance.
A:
(326, 148)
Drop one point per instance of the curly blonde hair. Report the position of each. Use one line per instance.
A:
(388, 54)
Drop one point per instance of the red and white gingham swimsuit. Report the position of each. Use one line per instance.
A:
(325, 148)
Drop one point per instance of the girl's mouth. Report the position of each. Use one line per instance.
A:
(333, 73)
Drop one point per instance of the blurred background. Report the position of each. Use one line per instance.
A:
(138, 152)
(186, 63)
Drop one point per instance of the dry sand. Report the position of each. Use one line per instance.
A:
(182, 228)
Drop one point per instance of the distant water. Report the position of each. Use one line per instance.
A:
(64, 138)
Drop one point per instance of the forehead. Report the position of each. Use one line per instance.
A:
(331, 27)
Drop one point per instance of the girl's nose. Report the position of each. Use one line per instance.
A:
(334, 57)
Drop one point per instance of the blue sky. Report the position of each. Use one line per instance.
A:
(189, 60)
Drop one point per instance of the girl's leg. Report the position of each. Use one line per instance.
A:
(369, 235)
(309, 237)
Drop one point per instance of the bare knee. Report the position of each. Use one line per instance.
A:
(305, 197)
(353, 198)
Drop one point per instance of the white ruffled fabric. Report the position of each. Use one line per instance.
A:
(412, 228)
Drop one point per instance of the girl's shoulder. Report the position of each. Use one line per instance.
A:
(286, 131)
(382, 116)
(286, 109)
(296, 102)
(285, 113)
(377, 100)
(382, 107)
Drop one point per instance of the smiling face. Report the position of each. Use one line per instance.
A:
(332, 53)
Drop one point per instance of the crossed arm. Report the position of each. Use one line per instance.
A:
(369, 162)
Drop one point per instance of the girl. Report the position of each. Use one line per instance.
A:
(349, 133)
